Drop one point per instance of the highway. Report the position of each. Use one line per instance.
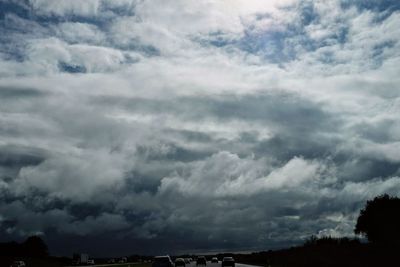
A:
(236, 265)
(209, 264)
(192, 264)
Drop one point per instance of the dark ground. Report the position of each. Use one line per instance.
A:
(323, 252)
(326, 254)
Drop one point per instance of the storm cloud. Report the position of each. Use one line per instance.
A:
(174, 126)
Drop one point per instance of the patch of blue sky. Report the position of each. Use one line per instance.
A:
(382, 8)
(217, 39)
(12, 42)
(307, 13)
(10, 50)
(272, 46)
(280, 46)
(99, 21)
(380, 48)
(283, 45)
(342, 34)
(65, 67)
(26, 11)
(378, 52)
(15, 31)
(373, 5)
(18, 30)
(15, 8)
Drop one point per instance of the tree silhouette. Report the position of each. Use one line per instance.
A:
(34, 246)
(379, 221)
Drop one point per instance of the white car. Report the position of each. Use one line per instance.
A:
(90, 261)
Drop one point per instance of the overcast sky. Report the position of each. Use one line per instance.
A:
(167, 126)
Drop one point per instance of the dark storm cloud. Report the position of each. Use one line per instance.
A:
(298, 124)
(285, 147)
(122, 128)
(18, 93)
(174, 153)
(363, 169)
(143, 182)
(12, 157)
(285, 110)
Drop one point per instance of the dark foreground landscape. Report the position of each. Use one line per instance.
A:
(379, 222)
(315, 252)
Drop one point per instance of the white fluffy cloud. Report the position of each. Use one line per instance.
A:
(225, 174)
(63, 8)
(77, 32)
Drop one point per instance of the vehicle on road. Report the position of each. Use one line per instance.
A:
(228, 261)
(162, 261)
(18, 264)
(80, 259)
(214, 260)
(90, 262)
(180, 262)
(187, 260)
(201, 260)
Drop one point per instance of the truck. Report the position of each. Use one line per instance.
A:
(80, 259)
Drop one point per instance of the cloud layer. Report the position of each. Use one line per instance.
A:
(172, 126)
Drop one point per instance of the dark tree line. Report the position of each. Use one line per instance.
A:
(379, 221)
(33, 247)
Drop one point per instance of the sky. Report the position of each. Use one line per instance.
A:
(171, 126)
